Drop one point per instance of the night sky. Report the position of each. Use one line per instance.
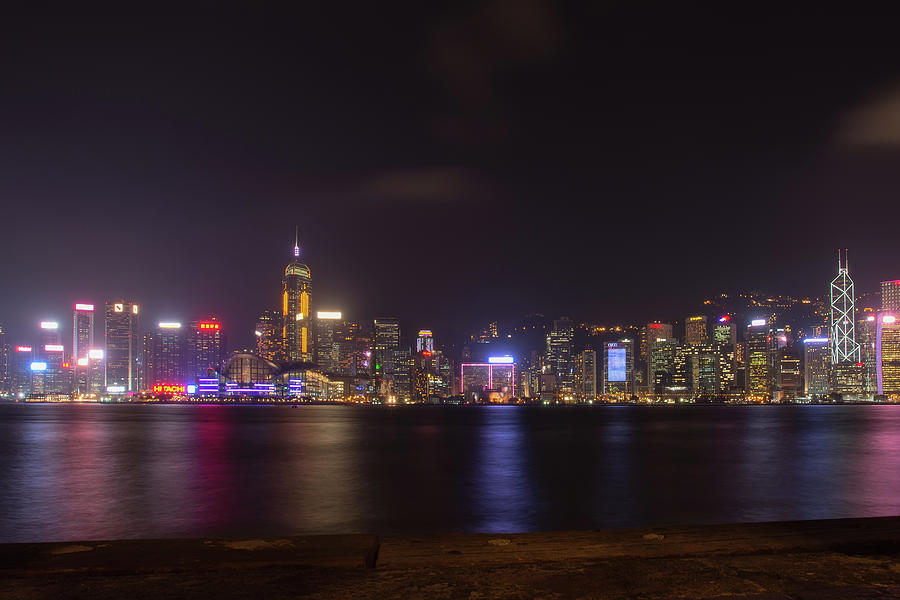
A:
(448, 166)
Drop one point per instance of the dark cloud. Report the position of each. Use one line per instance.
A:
(874, 123)
(426, 185)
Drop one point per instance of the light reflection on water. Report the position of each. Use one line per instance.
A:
(93, 472)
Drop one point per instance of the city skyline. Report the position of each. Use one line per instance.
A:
(299, 351)
(245, 339)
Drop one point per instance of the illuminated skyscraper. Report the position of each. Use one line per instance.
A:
(790, 377)
(20, 360)
(844, 348)
(560, 353)
(618, 368)
(662, 365)
(725, 331)
(424, 341)
(695, 330)
(295, 309)
(649, 334)
(166, 355)
(82, 342)
(890, 295)
(586, 375)
(887, 354)
(82, 330)
(327, 347)
(269, 336)
(4, 363)
(387, 340)
(123, 345)
(816, 366)
(204, 349)
(759, 374)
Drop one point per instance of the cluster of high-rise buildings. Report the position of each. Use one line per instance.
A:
(745, 347)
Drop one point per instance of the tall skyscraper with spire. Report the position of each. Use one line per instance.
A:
(295, 308)
(843, 333)
(847, 369)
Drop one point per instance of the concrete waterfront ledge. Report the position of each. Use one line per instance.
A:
(844, 558)
(391, 552)
(346, 551)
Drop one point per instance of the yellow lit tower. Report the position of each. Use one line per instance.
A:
(295, 309)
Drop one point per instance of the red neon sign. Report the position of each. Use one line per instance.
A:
(168, 388)
(655, 325)
(213, 326)
(23, 348)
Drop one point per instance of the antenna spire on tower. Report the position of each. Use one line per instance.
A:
(296, 240)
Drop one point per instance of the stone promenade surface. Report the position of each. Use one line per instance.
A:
(845, 558)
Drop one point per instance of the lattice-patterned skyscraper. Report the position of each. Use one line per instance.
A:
(844, 348)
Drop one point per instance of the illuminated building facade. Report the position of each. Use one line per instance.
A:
(890, 295)
(662, 365)
(493, 381)
(327, 350)
(20, 360)
(295, 310)
(560, 354)
(82, 342)
(424, 341)
(703, 369)
(887, 354)
(269, 336)
(847, 369)
(123, 345)
(816, 367)
(5, 383)
(354, 351)
(695, 330)
(387, 341)
(618, 368)
(586, 375)
(165, 365)
(759, 376)
(651, 332)
(725, 331)
(82, 330)
(422, 376)
(790, 376)
(865, 335)
(55, 376)
(204, 349)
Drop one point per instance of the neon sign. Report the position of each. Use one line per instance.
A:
(169, 325)
(501, 360)
(53, 348)
(81, 306)
(328, 314)
(212, 326)
(757, 322)
(23, 348)
(654, 325)
(724, 318)
(168, 388)
(96, 353)
(49, 325)
(38, 366)
(118, 307)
